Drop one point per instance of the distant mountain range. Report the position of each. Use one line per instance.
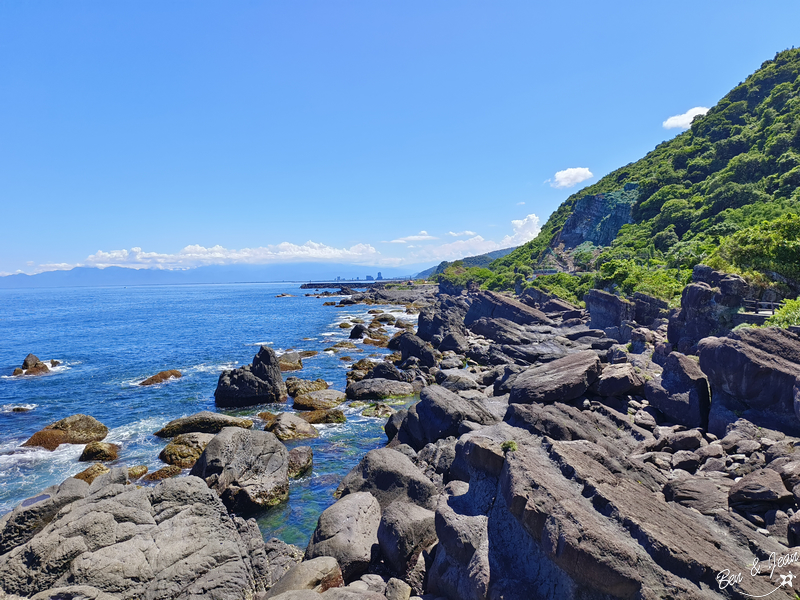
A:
(482, 260)
(112, 276)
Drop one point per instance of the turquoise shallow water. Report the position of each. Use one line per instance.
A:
(110, 339)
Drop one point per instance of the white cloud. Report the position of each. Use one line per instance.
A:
(197, 256)
(685, 120)
(520, 204)
(570, 177)
(421, 236)
(524, 231)
(462, 233)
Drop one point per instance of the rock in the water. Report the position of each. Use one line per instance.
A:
(76, 429)
(288, 426)
(333, 415)
(319, 400)
(29, 361)
(175, 540)
(318, 575)
(389, 475)
(561, 380)
(162, 377)
(290, 361)
(378, 389)
(91, 473)
(101, 451)
(410, 345)
(348, 531)
(137, 472)
(359, 331)
(681, 392)
(202, 422)
(378, 410)
(258, 383)
(163, 473)
(301, 459)
(185, 449)
(618, 380)
(248, 469)
(297, 387)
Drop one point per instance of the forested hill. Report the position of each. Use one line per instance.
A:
(701, 197)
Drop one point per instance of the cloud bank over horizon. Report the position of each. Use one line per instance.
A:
(426, 248)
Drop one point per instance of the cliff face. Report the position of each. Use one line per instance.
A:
(598, 219)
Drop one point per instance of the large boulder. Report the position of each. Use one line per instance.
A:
(301, 459)
(607, 310)
(258, 383)
(493, 305)
(348, 531)
(319, 400)
(175, 540)
(184, 450)
(316, 575)
(405, 531)
(378, 389)
(439, 414)
(618, 380)
(563, 379)
(756, 370)
(445, 317)
(288, 426)
(100, 451)
(75, 429)
(411, 345)
(202, 422)
(502, 331)
(247, 468)
(389, 475)
(759, 491)
(297, 387)
(681, 392)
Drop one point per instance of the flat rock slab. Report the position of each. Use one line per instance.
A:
(248, 469)
(319, 400)
(75, 429)
(202, 422)
(288, 426)
(561, 380)
(297, 387)
(378, 389)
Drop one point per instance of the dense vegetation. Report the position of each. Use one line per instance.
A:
(726, 191)
(482, 260)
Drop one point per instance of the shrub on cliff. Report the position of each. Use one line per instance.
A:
(786, 315)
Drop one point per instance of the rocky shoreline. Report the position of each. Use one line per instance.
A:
(623, 451)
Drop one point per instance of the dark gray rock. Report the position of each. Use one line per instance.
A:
(607, 310)
(386, 370)
(681, 392)
(405, 531)
(359, 331)
(258, 383)
(563, 379)
(757, 489)
(348, 531)
(705, 494)
(389, 476)
(248, 469)
(315, 575)
(618, 380)
(378, 389)
(445, 317)
(411, 345)
(455, 342)
(496, 306)
(301, 459)
(503, 331)
(202, 422)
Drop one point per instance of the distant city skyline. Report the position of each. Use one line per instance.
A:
(172, 135)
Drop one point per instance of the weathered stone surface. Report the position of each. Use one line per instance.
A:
(348, 531)
(75, 429)
(757, 367)
(248, 469)
(301, 459)
(618, 380)
(705, 494)
(91, 473)
(455, 342)
(297, 387)
(317, 575)
(445, 317)
(185, 449)
(202, 422)
(760, 487)
(163, 473)
(172, 541)
(496, 306)
(386, 370)
(101, 451)
(405, 531)
(319, 400)
(438, 414)
(136, 472)
(503, 331)
(411, 345)
(378, 410)
(378, 389)
(563, 379)
(389, 476)
(290, 361)
(608, 310)
(333, 415)
(162, 376)
(359, 331)
(288, 426)
(681, 392)
(258, 383)
(29, 361)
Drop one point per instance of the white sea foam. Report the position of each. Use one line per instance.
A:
(260, 344)
(328, 334)
(7, 408)
(211, 368)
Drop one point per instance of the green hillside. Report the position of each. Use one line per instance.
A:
(701, 197)
(480, 261)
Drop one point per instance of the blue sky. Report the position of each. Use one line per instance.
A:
(174, 134)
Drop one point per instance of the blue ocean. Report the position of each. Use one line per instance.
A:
(108, 340)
